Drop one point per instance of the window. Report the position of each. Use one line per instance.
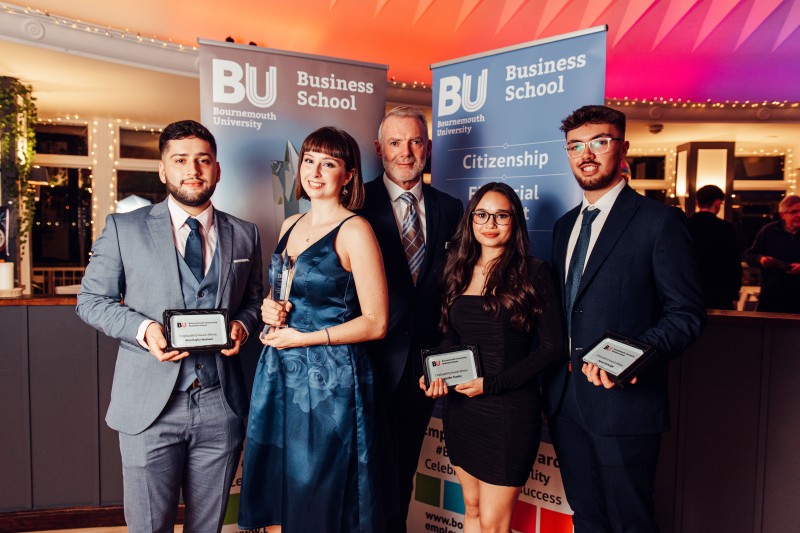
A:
(62, 225)
(647, 168)
(62, 139)
(141, 183)
(758, 168)
(138, 144)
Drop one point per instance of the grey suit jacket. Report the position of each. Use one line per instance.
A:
(133, 276)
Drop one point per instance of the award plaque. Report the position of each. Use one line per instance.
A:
(620, 356)
(196, 329)
(455, 365)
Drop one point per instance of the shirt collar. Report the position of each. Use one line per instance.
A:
(179, 216)
(395, 190)
(606, 202)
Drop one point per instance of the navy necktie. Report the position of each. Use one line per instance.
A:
(193, 255)
(577, 262)
(413, 240)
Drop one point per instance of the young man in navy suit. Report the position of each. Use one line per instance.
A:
(631, 271)
(414, 294)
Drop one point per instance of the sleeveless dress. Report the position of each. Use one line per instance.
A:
(495, 436)
(310, 453)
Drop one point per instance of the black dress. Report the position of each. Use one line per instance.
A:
(495, 436)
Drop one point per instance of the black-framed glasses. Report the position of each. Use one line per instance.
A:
(600, 145)
(501, 218)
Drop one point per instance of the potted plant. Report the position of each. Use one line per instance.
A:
(17, 150)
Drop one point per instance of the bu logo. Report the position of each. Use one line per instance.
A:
(226, 79)
(455, 93)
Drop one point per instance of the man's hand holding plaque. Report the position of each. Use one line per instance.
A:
(616, 360)
(196, 329)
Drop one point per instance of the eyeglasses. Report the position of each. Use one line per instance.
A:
(598, 146)
(501, 218)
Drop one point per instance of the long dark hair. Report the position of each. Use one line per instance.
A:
(508, 285)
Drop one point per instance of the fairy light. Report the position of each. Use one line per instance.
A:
(45, 17)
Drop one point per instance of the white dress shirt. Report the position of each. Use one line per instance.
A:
(180, 232)
(399, 207)
(604, 204)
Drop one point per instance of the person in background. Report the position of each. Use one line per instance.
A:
(717, 250)
(498, 298)
(776, 250)
(413, 223)
(310, 463)
(179, 414)
(625, 264)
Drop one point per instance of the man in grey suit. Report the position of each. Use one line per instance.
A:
(180, 414)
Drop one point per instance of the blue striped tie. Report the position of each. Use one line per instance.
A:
(577, 262)
(413, 241)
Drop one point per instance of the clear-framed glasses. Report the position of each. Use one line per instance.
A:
(598, 146)
(501, 218)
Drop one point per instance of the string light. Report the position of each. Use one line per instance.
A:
(708, 104)
(45, 17)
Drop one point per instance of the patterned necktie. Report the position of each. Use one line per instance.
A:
(193, 255)
(413, 241)
(578, 261)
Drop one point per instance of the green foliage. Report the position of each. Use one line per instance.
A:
(17, 150)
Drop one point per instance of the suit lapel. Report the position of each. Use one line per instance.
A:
(225, 246)
(432, 225)
(160, 226)
(618, 219)
(387, 232)
(560, 246)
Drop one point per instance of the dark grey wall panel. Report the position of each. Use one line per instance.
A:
(782, 471)
(721, 429)
(63, 370)
(110, 462)
(15, 442)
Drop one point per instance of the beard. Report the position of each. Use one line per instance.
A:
(401, 175)
(599, 181)
(191, 199)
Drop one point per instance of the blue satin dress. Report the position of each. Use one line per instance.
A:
(309, 461)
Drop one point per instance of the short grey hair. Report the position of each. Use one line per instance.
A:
(404, 111)
(788, 202)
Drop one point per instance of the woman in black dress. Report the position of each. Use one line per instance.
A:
(497, 297)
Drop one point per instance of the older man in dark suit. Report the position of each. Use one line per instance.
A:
(413, 223)
(626, 265)
(179, 413)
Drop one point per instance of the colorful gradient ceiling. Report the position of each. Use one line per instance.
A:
(689, 49)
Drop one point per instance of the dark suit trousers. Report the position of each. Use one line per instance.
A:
(408, 412)
(608, 479)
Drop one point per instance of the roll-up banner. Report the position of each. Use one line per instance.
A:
(496, 117)
(260, 104)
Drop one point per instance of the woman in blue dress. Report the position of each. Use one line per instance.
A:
(310, 458)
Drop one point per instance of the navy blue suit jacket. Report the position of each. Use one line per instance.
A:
(414, 311)
(641, 281)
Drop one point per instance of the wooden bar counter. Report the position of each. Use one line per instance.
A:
(729, 464)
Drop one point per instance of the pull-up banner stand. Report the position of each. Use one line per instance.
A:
(261, 103)
(496, 117)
